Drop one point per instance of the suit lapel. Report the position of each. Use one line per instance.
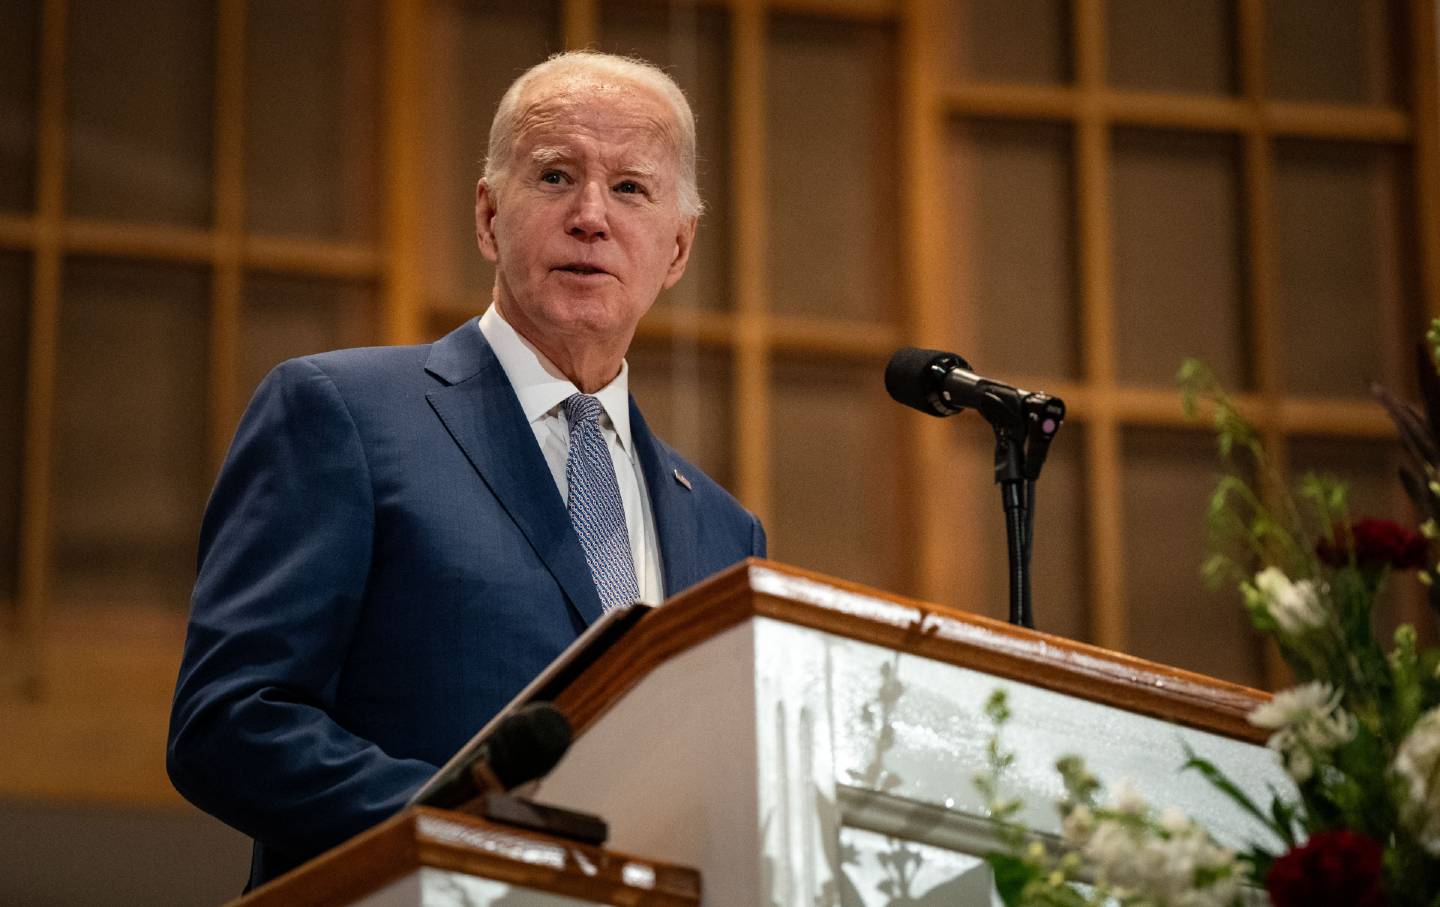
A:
(480, 411)
(673, 505)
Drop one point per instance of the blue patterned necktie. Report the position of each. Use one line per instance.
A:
(594, 505)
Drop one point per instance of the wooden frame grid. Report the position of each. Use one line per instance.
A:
(752, 333)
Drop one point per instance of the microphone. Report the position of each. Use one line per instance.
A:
(524, 747)
(942, 384)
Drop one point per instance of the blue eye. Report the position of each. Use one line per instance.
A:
(629, 187)
(553, 177)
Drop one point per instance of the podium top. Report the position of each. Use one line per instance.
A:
(762, 588)
(440, 839)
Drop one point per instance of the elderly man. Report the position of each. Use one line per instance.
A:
(401, 538)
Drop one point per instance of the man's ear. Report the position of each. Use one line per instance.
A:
(485, 221)
(684, 239)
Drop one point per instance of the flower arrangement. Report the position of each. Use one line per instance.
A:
(1359, 733)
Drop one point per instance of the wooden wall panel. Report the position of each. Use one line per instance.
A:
(1179, 276)
(1008, 41)
(1184, 47)
(1011, 245)
(14, 293)
(283, 317)
(1174, 618)
(836, 481)
(140, 120)
(311, 118)
(130, 476)
(19, 52)
(1341, 264)
(833, 217)
(1334, 50)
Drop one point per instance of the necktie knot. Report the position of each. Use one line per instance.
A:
(581, 409)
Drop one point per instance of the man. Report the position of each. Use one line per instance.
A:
(401, 538)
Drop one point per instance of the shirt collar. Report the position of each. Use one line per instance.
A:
(540, 386)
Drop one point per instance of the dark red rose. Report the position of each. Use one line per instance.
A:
(1378, 543)
(1332, 869)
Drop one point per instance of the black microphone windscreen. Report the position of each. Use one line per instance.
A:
(910, 378)
(528, 744)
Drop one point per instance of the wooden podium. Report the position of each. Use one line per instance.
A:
(801, 740)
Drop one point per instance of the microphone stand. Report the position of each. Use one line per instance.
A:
(1024, 425)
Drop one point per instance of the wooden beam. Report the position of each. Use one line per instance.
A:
(42, 351)
(581, 24)
(1109, 614)
(228, 280)
(750, 222)
(1425, 106)
(402, 196)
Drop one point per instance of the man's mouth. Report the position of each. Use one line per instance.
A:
(581, 269)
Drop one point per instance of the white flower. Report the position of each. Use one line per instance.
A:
(1295, 607)
(1308, 724)
(1417, 765)
(1128, 800)
(1160, 864)
(1078, 825)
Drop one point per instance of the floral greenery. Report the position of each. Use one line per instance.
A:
(1359, 733)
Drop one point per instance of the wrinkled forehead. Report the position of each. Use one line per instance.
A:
(610, 109)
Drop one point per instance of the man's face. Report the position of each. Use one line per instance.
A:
(586, 229)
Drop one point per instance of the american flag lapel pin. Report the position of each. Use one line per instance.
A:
(680, 477)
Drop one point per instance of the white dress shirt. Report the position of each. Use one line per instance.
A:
(542, 389)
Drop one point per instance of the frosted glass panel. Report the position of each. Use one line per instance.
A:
(1340, 254)
(887, 872)
(837, 479)
(1008, 40)
(473, 51)
(691, 44)
(1175, 619)
(1178, 284)
(1011, 249)
(311, 117)
(685, 393)
(141, 90)
(831, 169)
(1058, 576)
(1334, 50)
(1185, 47)
(19, 44)
(130, 473)
(14, 308)
(286, 317)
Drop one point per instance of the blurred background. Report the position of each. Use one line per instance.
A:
(1074, 194)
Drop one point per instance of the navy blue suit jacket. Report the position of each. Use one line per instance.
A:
(385, 562)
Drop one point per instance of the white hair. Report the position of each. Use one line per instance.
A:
(595, 65)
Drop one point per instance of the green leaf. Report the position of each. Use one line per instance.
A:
(1222, 783)
(1012, 874)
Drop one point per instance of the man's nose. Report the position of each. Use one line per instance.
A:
(588, 218)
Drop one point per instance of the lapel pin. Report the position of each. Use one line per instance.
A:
(680, 477)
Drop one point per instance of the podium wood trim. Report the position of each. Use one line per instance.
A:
(762, 588)
(439, 839)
